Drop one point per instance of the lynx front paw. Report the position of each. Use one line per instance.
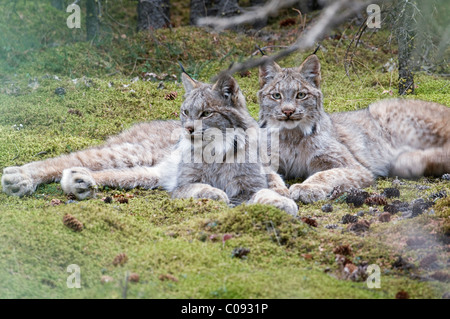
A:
(215, 194)
(270, 197)
(307, 193)
(16, 181)
(78, 181)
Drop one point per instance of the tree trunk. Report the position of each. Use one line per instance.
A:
(405, 38)
(92, 19)
(58, 4)
(153, 14)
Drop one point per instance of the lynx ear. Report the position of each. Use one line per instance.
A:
(227, 86)
(310, 69)
(188, 82)
(229, 89)
(267, 72)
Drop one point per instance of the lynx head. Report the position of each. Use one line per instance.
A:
(290, 98)
(211, 108)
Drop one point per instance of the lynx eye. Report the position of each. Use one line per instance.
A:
(301, 95)
(276, 96)
(206, 114)
(186, 112)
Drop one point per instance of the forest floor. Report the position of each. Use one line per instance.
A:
(59, 94)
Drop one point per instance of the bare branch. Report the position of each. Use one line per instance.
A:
(332, 15)
(259, 13)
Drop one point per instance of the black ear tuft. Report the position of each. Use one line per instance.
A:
(181, 67)
(310, 69)
(317, 49)
(267, 72)
(188, 82)
(260, 50)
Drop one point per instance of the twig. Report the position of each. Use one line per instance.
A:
(18, 152)
(347, 61)
(40, 153)
(267, 47)
(302, 18)
(134, 67)
(275, 233)
(112, 73)
(125, 286)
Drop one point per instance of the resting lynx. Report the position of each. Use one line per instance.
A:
(154, 154)
(404, 138)
(207, 115)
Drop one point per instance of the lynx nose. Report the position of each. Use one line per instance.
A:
(287, 111)
(190, 129)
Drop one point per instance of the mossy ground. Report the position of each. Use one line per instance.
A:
(184, 238)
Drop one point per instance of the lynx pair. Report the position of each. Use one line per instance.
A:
(405, 138)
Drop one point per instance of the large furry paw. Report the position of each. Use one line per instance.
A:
(270, 197)
(214, 194)
(307, 193)
(17, 181)
(78, 181)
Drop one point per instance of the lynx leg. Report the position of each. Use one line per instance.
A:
(319, 185)
(141, 145)
(270, 197)
(83, 182)
(413, 164)
(23, 180)
(276, 183)
(140, 176)
(199, 190)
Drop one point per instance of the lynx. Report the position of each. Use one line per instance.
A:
(154, 154)
(398, 137)
(207, 114)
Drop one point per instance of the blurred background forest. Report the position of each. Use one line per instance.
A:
(135, 38)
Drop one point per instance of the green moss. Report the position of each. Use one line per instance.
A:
(442, 207)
